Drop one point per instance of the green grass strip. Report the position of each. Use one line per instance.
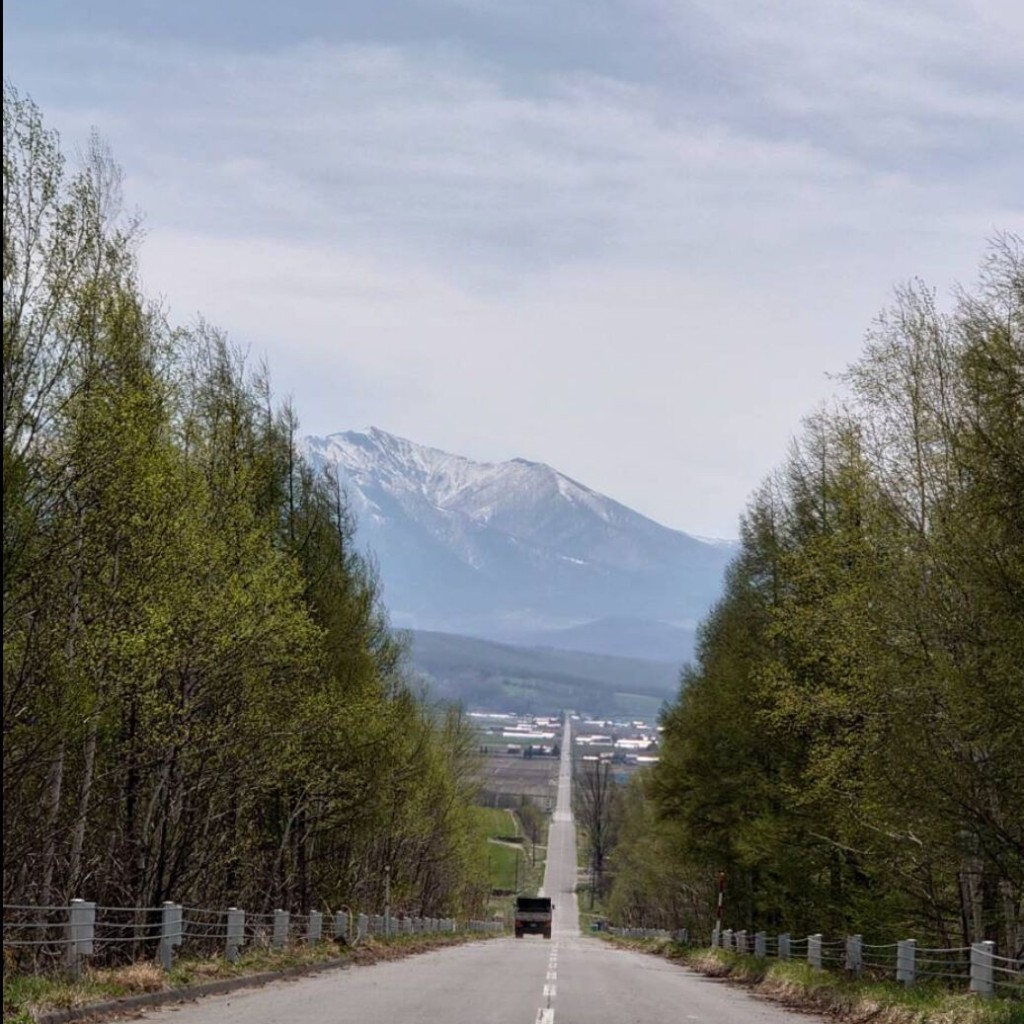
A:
(856, 1000)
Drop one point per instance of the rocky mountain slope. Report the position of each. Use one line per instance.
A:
(517, 551)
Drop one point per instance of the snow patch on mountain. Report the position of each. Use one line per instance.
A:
(476, 546)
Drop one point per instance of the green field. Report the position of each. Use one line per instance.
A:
(512, 866)
(505, 867)
(498, 829)
(495, 823)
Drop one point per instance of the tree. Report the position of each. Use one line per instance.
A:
(849, 746)
(596, 800)
(203, 697)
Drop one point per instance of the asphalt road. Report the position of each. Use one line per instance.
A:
(573, 979)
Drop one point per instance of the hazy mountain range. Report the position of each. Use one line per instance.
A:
(482, 673)
(520, 553)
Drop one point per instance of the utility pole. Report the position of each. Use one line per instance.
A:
(387, 900)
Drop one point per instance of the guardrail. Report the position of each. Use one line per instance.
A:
(60, 937)
(977, 967)
(679, 935)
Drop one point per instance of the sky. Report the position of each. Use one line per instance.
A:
(634, 240)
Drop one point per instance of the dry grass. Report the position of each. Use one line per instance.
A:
(855, 1001)
(135, 978)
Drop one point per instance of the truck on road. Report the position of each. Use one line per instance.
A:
(533, 916)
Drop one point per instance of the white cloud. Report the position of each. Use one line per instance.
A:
(674, 396)
(641, 279)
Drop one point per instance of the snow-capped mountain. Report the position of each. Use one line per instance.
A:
(511, 549)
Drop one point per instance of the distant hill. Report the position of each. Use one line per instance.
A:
(493, 676)
(519, 552)
(624, 636)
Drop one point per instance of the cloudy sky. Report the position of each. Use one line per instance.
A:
(630, 239)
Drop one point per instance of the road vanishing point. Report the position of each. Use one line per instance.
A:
(571, 979)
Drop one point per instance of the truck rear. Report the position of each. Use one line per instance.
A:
(533, 916)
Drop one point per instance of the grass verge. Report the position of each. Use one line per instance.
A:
(515, 865)
(28, 996)
(591, 908)
(856, 1001)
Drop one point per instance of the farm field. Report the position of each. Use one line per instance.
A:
(499, 831)
(506, 778)
(514, 864)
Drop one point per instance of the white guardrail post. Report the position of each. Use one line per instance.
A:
(170, 933)
(236, 934)
(352, 928)
(80, 932)
(906, 955)
(854, 954)
(982, 982)
(279, 938)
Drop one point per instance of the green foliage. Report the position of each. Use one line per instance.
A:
(841, 997)
(202, 696)
(849, 749)
(654, 885)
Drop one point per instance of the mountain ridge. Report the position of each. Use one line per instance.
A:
(511, 549)
(484, 674)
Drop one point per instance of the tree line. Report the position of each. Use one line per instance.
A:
(848, 747)
(202, 696)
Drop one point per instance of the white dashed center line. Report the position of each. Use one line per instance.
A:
(546, 1014)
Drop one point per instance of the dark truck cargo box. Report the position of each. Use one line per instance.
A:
(533, 916)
